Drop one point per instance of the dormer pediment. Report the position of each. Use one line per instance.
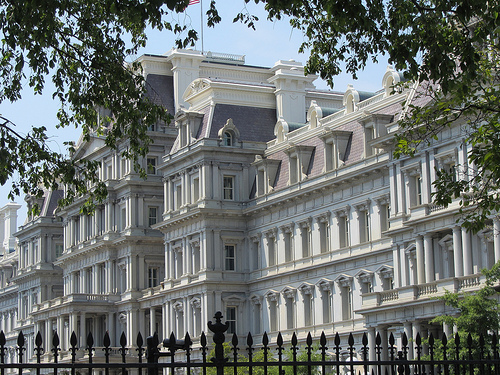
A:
(196, 87)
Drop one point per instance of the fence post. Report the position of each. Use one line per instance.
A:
(218, 329)
(152, 353)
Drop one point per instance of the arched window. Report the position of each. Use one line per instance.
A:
(227, 138)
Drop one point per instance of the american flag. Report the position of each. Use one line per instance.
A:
(192, 2)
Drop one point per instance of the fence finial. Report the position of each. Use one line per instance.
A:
(218, 329)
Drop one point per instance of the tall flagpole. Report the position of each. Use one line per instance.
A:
(201, 21)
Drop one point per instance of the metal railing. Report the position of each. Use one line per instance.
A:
(479, 356)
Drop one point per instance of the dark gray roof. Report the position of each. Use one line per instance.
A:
(51, 202)
(160, 89)
(363, 95)
(254, 124)
(329, 111)
(294, 126)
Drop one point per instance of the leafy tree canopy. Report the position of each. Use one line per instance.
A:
(450, 43)
(83, 45)
(477, 314)
(449, 46)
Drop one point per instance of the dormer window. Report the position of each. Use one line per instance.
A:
(229, 134)
(314, 114)
(390, 80)
(351, 99)
(281, 129)
(336, 143)
(299, 159)
(266, 174)
(227, 139)
(188, 124)
(375, 127)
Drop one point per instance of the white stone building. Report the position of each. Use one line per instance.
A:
(276, 203)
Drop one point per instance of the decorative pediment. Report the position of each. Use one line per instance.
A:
(383, 200)
(363, 206)
(289, 292)
(272, 296)
(281, 129)
(325, 285)
(178, 306)
(306, 288)
(197, 86)
(271, 233)
(385, 272)
(343, 211)
(314, 114)
(344, 280)
(195, 303)
(364, 276)
(390, 80)
(256, 300)
(351, 99)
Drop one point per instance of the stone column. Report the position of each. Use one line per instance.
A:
(457, 252)
(371, 343)
(467, 251)
(48, 333)
(152, 321)
(496, 238)
(111, 326)
(419, 244)
(429, 258)
(83, 330)
(407, 326)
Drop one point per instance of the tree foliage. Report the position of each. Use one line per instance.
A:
(450, 44)
(476, 314)
(272, 369)
(83, 45)
(450, 47)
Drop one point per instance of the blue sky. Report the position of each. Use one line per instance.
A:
(270, 42)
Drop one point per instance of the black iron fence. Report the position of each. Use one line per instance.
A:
(430, 356)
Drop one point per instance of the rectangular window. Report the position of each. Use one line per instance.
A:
(308, 310)
(152, 216)
(327, 306)
(153, 276)
(229, 187)
(385, 214)
(124, 170)
(418, 181)
(306, 241)
(329, 157)
(290, 313)
(346, 303)
(344, 231)
(59, 250)
(229, 251)
(255, 256)
(151, 165)
(364, 226)
(271, 251)
(293, 170)
(123, 218)
(288, 246)
(196, 189)
(273, 316)
(177, 196)
(324, 234)
(231, 319)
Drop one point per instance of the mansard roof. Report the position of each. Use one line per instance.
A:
(254, 124)
(160, 88)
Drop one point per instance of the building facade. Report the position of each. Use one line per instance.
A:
(269, 200)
